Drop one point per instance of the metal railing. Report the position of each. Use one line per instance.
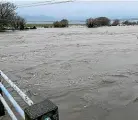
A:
(24, 113)
(11, 99)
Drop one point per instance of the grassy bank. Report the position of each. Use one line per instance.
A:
(49, 25)
(39, 25)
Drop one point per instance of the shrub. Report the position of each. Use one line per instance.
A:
(102, 21)
(129, 23)
(19, 23)
(97, 22)
(116, 22)
(134, 23)
(61, 24)
(90, 23)
(126, 22)
(56, 24)
(26, 28)
(34, 27)
(48, 26)
(64, 23)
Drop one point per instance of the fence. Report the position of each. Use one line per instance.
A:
(45, 110)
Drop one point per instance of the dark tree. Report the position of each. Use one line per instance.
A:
(9, 18)
(102, 21)
(56, 24)
(18, 23)
(126, 22)
(90, 23)
(116, 22)
(64, 23)
(7, 14)
(97, 22)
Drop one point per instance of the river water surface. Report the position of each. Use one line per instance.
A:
(91, 74)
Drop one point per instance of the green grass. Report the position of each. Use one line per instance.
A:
(49, 25)
(39, 25)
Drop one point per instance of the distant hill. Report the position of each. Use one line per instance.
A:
(50, 19)
(72, 20)
(30, 18)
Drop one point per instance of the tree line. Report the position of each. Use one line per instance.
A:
(10, 19)
(104, 21)
(96, 22)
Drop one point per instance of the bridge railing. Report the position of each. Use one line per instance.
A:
(45, 110)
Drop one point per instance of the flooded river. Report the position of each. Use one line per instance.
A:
(91, 74)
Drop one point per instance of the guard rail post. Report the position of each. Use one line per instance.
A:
(2, 110)
(45, 110)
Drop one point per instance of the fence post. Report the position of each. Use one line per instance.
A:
(45, 110)
(0, 77)
(2, 110)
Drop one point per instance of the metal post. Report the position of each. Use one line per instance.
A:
(0, 77)
(45, 110)
(7, 108)
(15, 104)
(24, 97)
(2, 110)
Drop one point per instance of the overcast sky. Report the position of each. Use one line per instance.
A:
(79, 8)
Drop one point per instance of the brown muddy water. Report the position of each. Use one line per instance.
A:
(91, 74)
